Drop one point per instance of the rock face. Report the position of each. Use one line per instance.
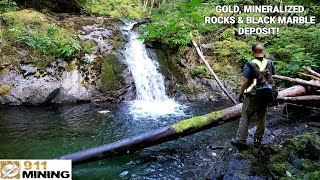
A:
(99, 76)
(32, 90)
(186, 77)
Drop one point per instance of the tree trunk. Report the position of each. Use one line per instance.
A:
(168, 133)
(297, 80)
(151, 6)
(311, 71)
(310, 76)
(301, 98)
(145, 4)
(212, 72)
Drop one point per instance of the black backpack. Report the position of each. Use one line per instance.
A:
(265, 90)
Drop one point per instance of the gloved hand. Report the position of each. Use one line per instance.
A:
(241, 98)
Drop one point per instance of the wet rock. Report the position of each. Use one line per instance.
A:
(108, 78)
(52, 95)
(237, 171)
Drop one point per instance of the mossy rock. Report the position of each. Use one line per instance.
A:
(177, 70)
(71, 66)
(164, 64)
(4, 89)
(108, 78)
(117, 67)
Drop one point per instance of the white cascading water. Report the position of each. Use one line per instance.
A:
(151, 98)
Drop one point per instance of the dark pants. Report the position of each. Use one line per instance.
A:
(251, 106)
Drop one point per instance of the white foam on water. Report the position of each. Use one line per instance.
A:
(154, 109)
(151, 99)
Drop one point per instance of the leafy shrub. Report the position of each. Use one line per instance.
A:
(117, 8)
(172, 22)
(31, 30)
(7, 5)
(294, 48)
(232, 51)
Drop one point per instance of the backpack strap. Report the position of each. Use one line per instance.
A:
(261, 65)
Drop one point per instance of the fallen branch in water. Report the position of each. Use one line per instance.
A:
(168, 133)
(297, 80)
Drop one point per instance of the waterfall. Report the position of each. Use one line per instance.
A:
(151, 98)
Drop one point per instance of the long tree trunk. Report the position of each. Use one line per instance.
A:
(302, 98)
(168, 133)
(297, 80)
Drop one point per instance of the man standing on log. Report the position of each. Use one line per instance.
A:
(251, 104)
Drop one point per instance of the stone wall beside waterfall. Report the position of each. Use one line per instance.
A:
(100, 76)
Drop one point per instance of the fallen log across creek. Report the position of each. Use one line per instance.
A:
(168, 133)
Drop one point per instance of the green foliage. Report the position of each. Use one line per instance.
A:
(294, 48)
(67, 47)
(233, 51)
(31, 30)
(129, 9)
(87, 46)
(172, 22)
(198, 70)
(7, 5)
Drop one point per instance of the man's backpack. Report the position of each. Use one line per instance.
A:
(264, 88)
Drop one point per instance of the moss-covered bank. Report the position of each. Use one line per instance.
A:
(295, 158)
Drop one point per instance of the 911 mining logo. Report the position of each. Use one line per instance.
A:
(10, 169)
(35, 169)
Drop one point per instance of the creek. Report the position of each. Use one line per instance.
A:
(45, 132)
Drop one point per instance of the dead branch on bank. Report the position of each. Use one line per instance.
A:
(310, 71)
(212, 72)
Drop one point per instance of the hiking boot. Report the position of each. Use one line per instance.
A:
(257, 142)
(237, 143)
